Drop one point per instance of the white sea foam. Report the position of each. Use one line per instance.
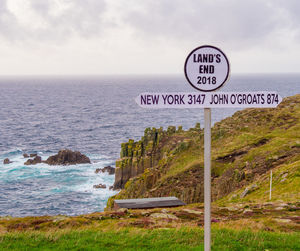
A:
(45, 181)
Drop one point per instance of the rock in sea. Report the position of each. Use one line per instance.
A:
(99, 186)
(36, 160)
(109, 169)
(67, 157)
(6, 161)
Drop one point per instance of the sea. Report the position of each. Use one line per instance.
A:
(93, 115)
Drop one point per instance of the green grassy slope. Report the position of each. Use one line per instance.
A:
(245, 147)
(163, 239)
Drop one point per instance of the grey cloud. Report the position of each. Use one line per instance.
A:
(235, 22)
(81, 17)
(239, 23)
(290, 9)
(84, 17)
(9, 27)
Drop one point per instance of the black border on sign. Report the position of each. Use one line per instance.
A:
(205, 46)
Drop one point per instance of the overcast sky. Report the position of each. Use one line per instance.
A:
(145, 36)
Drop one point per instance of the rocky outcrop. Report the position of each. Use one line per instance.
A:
(36, 160)
(136, 157)
(67, 157)
(6, 161)
(109, 169)
(64, 157)
(248, 190)
(103, 186)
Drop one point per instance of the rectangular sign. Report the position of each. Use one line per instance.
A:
(261, 99)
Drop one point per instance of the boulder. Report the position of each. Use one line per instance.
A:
(6, 161)
(36, 160)
(248, 190)
(283, 220)
(25, 155)
(32, 155)
(99, 186)
(163, 216)
(190, 211)
(109, 169)
(283, 177)
(123, 210)
(279, 208)
(67, 157)
(247, 211)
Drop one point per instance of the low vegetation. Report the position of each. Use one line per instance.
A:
(237, 226)
(245, 149)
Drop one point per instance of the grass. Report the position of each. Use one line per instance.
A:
(286, 189)
(158, 239)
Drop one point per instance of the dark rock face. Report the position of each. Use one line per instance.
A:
(25, 155)
(32, 155)
(109, 169)
(135, 157)
(36, 160)
(99, 186)
(6, 161)
(67, 157)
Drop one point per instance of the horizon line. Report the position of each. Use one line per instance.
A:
(136, 74)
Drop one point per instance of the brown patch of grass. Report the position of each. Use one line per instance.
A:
(242, 224)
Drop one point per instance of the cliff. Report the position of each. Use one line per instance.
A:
(156, 147)
(244, 148)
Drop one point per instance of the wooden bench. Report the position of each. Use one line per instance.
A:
(145, 203)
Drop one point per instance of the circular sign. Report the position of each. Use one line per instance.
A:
(206, 68)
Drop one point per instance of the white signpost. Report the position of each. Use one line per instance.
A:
(207, 69)
(182, 100)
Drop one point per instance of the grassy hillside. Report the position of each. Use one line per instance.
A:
(245, 147)
(238, 226)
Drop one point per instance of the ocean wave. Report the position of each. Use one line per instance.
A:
(43, 189)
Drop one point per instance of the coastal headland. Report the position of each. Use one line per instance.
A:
(245, 148)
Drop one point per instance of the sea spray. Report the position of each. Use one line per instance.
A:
(50, 190)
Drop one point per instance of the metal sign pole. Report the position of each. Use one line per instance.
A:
(270, 196)
(207, 178)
